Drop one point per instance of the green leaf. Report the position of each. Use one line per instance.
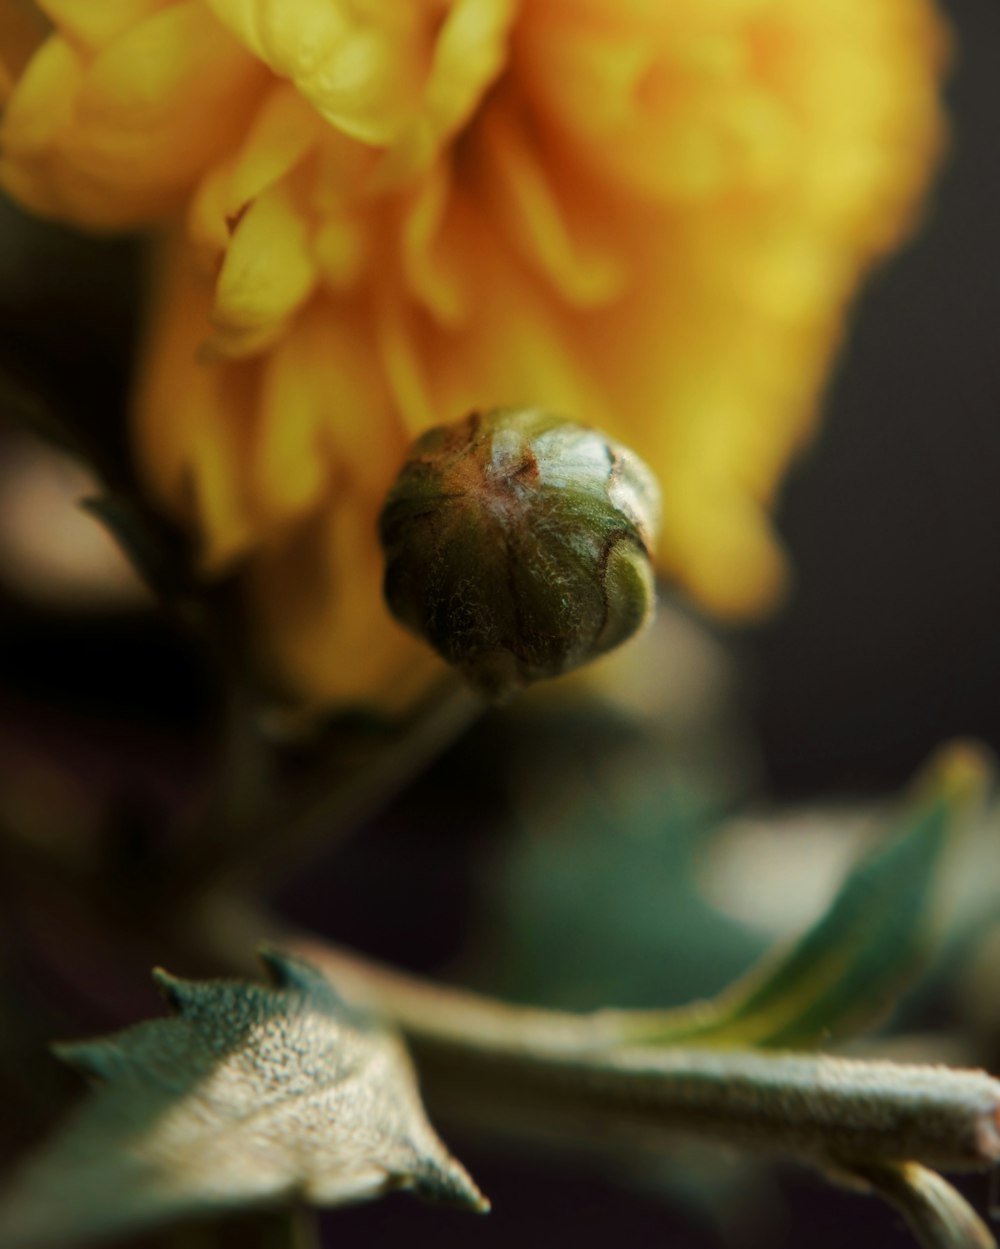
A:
(594, 895)
(247, 1095)
(848, 970)
(938, 1214)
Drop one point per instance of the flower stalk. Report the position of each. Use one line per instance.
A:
(350, 787)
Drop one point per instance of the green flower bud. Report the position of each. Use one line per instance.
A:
(518, 545)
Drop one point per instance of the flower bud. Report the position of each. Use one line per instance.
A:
(518, 544)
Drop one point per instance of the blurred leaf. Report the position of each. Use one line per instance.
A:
(939, 1215)
(246, 1096)
(595, 902)
(848, 970)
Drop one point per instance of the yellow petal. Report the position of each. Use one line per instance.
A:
(404, 363)
(291, 461)
(94, 23)
(325, 422)
(283, 132)
(513, 348)
(22, 30)
(362, 64)
(363, 431)
(215, 482)
(719, 544)
(268, 273)
(323, 627)
(435, 246)
(342, 251)
(192, 420)
(469, 54)
(118, 139)
(43, 105)
(521, 189)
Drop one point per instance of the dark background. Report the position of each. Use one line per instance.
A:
(891, 640)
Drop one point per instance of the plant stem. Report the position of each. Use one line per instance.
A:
(940, 1216)
(294, 827)
(551, 1071)
(813, 1108)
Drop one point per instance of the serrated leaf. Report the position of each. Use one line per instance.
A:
(246, 1095)
(848, 969)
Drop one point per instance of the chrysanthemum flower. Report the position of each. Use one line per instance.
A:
(376, 216)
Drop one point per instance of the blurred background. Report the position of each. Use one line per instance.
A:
(889, 641)
(567, 849)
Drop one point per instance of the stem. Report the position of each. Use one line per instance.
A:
(812, 1108)
(485, 1061)
(940, 1216)
(293, 828)
(439, 1016)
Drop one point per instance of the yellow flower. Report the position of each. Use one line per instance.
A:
(375, 216)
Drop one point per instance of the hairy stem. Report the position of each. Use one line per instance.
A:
(940, 1216)
(560, 1073)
